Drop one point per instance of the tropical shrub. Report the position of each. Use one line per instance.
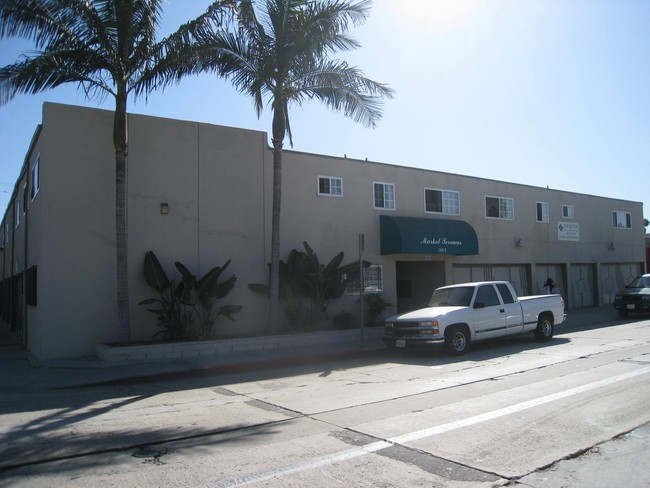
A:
(307, 287)
(186, 310)
(345, 320)
(374, 305)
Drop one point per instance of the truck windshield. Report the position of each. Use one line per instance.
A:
(459, 296)
(640, 282)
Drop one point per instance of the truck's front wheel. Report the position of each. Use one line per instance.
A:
(457, 340)
(544, 330)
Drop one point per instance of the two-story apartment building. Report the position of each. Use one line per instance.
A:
(201, 194)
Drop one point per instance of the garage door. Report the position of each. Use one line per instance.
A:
(545, 271)
(515, 274)
(614, 278)
(582, 286)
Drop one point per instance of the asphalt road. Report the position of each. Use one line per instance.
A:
(569, 413)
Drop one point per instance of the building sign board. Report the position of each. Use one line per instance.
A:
(568, 231)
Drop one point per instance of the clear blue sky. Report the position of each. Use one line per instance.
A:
(542, 92)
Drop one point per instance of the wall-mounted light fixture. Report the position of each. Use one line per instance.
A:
(519, 242)
(164, 208)
(611, 246)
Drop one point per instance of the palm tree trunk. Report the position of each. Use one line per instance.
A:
(120, 142)
(279, 129)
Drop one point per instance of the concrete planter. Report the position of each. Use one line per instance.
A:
(168, 350)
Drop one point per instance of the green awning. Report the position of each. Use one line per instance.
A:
(410, 235)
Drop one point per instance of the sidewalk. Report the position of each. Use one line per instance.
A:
(19, 370)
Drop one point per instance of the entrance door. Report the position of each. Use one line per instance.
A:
(416, 281)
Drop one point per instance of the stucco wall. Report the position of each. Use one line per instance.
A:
(72, 234)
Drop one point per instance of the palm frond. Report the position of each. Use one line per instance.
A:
(50, 69)
(38, 21)
(194, 48)
(281, 52)
(343, 88)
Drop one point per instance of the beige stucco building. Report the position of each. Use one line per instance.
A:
(201, 194)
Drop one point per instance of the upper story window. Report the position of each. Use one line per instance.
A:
(384, 195)
(24, 198)
(622, 220)
(330, 185)
(567, 211)
(17, 212)
(36, 178)
(441, 201)
(542, 212)
(499, 208)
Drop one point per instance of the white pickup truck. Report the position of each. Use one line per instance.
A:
(465, 312)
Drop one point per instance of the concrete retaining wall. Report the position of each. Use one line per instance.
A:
(348, 339)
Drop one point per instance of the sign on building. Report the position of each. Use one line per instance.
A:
(568, 231)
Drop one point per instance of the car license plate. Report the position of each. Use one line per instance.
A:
(630, 306)
(400, 343)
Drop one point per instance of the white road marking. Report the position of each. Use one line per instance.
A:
(420, 434)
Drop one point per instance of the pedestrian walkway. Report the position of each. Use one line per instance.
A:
(18, 369)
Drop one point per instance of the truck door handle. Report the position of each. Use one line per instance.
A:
(502, 310)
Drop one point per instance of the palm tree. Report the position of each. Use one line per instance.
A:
(106, 47)
(281, 52)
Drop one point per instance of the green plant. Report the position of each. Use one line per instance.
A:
(345, 320)
(374, 305)
(180, 303)
(307, 286)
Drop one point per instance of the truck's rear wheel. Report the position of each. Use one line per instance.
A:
(457, 340)
(544, 330)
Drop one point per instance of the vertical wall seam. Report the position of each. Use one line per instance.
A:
(265, 242)
(198, 199)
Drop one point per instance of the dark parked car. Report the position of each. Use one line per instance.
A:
(635, 297)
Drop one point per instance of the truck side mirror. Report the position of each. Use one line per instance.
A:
(479, 304)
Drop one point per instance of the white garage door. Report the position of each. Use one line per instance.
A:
(582, 289)
(515, 274)
(614, 277)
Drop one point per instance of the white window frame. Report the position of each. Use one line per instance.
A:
(544, 211)
(390, 194)
(568, 212)
(25, 199)
(330, 180)
(36, 178)
(17, 211)
(448, 208)
(621, 217)
(509, 207)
